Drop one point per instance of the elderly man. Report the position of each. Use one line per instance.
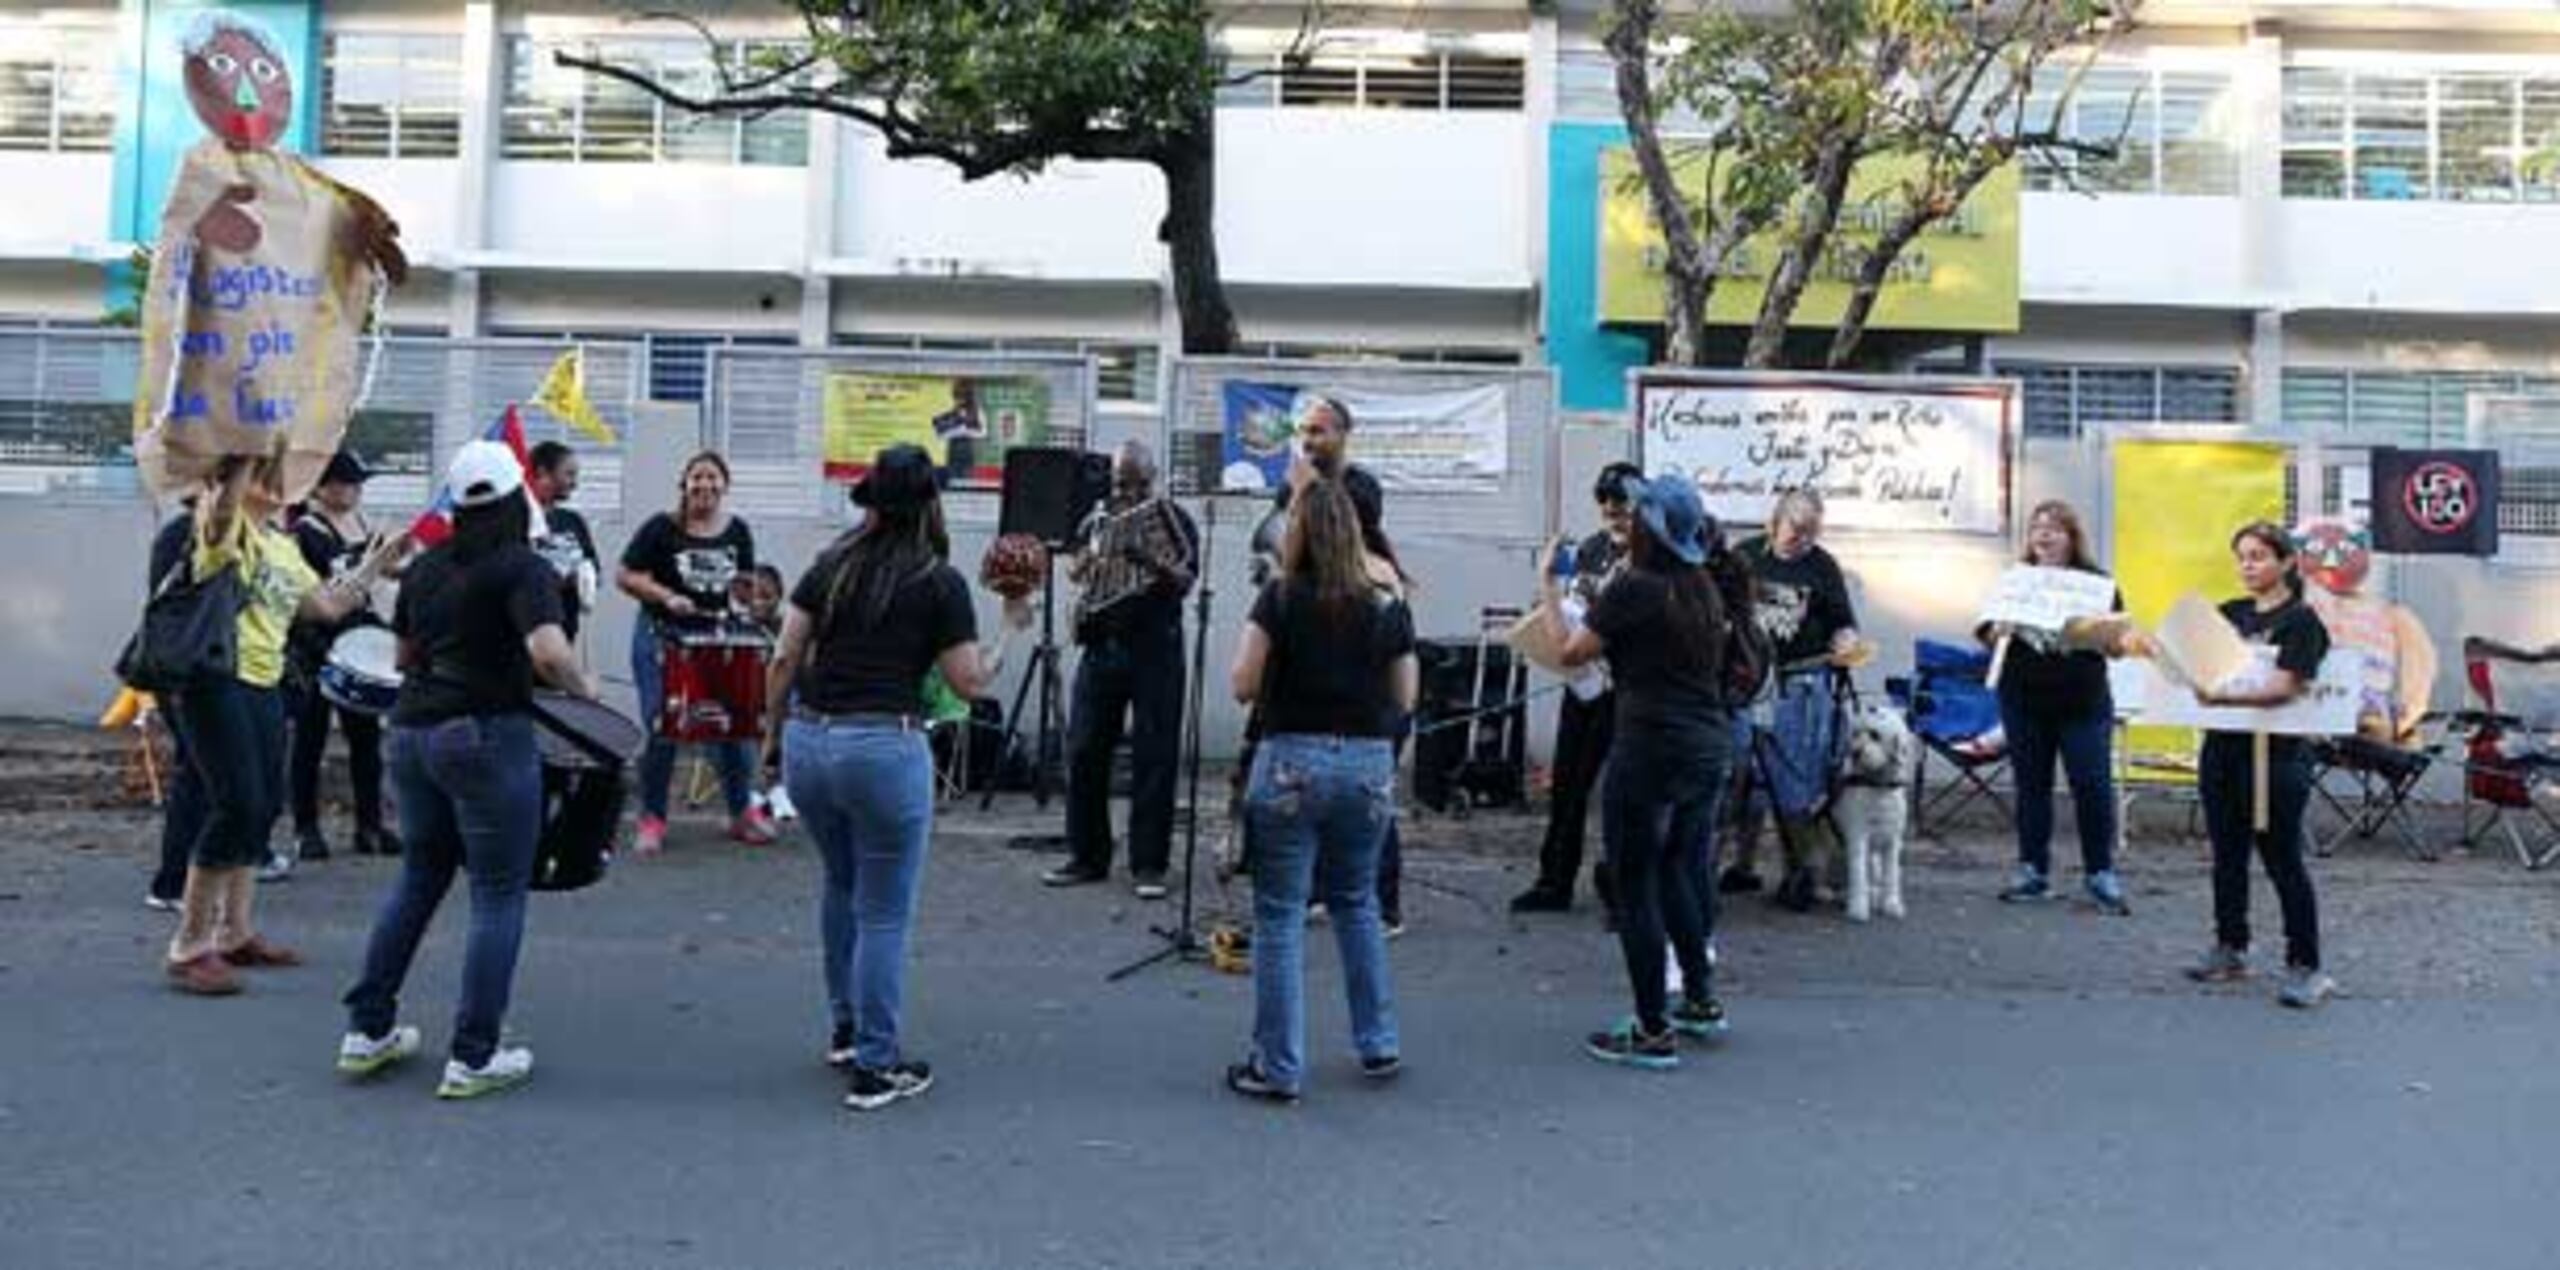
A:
(1135, 562)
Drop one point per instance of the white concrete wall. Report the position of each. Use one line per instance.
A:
(2421, 257)
(1355, 198)
(56, 204)
(421, 194)
(2133, 249)
(648, 217)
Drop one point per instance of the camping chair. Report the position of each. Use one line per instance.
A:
(2511, 777)
(2367, 779)
(1956, 715)
(946, 733)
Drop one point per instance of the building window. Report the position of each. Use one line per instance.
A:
(557, 113)
(1379, 80)
(57, 87)
(2173, 132)
(2395, 407)
(2063, 400)
(2467, 137)
(391, 96)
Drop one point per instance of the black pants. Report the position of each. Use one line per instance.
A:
(2223, 782)
(1662, 796)
(311, 712)
(1140, 677)
(1583, 733)
(182, 814)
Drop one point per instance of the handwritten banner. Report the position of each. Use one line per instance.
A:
(2046, 599)
(2328, 705)
(1924, 455)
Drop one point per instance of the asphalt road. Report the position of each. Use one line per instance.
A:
(1976, 1087)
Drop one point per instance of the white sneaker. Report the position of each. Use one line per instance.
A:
(362, 1055)
(505, 1070)
(278, 868)
(778, 801)
(159, 905)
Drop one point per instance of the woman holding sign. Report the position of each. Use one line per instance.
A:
(2233, 764)
(2054, 703)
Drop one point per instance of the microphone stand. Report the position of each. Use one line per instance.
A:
(1181, 941)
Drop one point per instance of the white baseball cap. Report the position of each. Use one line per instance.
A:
(484, 472)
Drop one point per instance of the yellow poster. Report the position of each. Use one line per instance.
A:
(2177, 503)
(1961, 275)
(966, 422)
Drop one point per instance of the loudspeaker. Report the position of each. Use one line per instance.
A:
(1049, 490)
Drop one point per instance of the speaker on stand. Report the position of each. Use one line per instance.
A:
(1048, 493)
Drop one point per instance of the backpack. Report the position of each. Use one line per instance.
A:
(1749, 654)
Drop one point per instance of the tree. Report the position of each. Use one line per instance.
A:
(1794, 102)
(1010, 86)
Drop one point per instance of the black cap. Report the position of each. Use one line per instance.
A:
(1618, 483)
(345, 469)
(900, 476)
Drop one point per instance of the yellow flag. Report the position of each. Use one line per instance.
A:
(564, 395)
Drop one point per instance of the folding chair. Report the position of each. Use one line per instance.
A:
(946, 733)
(2366, 783)
(1956, 715)
(2511, 778)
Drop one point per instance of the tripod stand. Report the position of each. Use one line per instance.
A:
(1180, 941)
(1042, 671)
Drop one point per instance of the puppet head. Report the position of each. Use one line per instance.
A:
(238, 80)
(2334, 558)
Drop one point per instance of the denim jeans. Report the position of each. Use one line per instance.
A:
(2223, 783)
(865, 792)
(1128, 674)
(181, 816)
(2084, 742)
(1664, 787)
(470, 794)
(235, 746)
(735, 760)
(311, 715)
(1318, 801)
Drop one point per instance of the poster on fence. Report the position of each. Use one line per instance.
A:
(966, 422)
(1926, 455)
(1453, 441)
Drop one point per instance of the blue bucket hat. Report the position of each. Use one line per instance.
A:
(1668, 508)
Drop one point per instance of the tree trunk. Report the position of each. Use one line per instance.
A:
(1872, 272)
(1688, 283)
(1189, 232)
(1817, 215)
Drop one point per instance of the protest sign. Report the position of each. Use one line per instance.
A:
(2047, 599)
(2328, 705)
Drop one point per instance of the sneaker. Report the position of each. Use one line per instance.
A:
(1392, 925)
(1542, 899)
(310, 844)
(2223, 964)
(2106, 890)
(1073, 874)
(1149, 888)
(206, 975)
(362, 1055)
(1628, 1045)
(1317, 914)
(278, 868)
(870, 1089)
(778, 801)
(161, 904)
(2027, 886)
(840, 1046)
(1383, 1067)
(1795, 892)
(505, 1070)
(1700, 1018)
(2305, 988)
(753, 827)
(1247, 1079)
(377, 842)
(1738, 880)
(651, 837)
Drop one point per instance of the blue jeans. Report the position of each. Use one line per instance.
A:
(865, 792)
(234, 741)
(2084, 743)
(1660, 797)
(470, 793)
(1318, 801)
(735, 759)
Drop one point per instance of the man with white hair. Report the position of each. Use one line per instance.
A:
(1138, 558)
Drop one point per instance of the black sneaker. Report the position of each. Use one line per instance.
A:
(1700, 1018)
(311, 844)
(1542, 899)
(1247, 1079)
(840, 1046)
(1073, 874)
(1738, 880)
(377, 842)
(1629, 1045)
(1795, 892)
(870, 1089)
(1384, 1067)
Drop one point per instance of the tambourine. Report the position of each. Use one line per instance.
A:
(1016, 565)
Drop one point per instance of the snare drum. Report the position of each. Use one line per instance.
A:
(585, 747)
(714, 684)
(362, 672)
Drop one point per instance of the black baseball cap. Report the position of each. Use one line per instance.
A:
(900, 476)
(345, 469)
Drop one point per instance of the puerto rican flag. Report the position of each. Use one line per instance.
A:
(435, 524)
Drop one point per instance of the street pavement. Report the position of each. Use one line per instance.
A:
(1977, 1086)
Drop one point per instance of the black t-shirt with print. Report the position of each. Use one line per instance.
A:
(567, 543)
(330, 555)
(462, 630)
(851, 669)
(1804, 602)
(1328, 674)
(2301, 642)
(1659, 677)
(700, 569)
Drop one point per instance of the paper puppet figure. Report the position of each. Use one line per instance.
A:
(2400, 657)
(263, 275)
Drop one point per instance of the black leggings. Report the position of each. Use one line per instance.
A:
(2223, 780)
(1660, 795)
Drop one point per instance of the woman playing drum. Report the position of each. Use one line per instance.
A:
(335, 538)
(478, 620)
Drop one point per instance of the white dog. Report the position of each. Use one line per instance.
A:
(1874, 808)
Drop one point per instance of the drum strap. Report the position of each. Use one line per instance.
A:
(585, 744)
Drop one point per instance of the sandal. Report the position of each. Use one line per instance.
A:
(259, 954)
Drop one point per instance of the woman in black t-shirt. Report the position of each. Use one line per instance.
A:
(335, 538)
(680, 567)
(1328, 656)
(1804, 608)
(1663, 625)
(2054, 702)
(2272, 613)
(877, 611)
(479, 622)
